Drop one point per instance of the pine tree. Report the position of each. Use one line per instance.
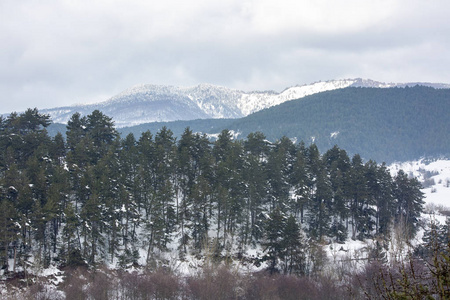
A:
(71, 249)
(109, 180)
(57, 149)
(435, 236)
(202, 193)
(380, 191)
(338, 166)
(273, 241)
(91, 218)
(100, 133)
(76, 130)
(161, 217)
(255, 177)
(228, 184)
(409, 202)
(300, 183)
(9, 231)
(357, 190)
(293, 244)
(129, 189)
(319, 207)
(25, 133)
(187, 165)
(320, 196)
(146, 149)
(200, 213)
(280, 169)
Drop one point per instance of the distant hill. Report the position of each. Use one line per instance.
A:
(156, 103)
(385, 124)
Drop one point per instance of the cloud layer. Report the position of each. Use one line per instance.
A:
(58, 53)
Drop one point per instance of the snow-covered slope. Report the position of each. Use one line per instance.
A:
(156, 103)
(434, 176)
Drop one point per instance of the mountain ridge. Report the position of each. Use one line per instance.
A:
(393, 124)
(147, 103)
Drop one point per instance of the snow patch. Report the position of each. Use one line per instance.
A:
(334, 135)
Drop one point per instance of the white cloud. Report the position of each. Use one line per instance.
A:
(61, 52)
(319, 16)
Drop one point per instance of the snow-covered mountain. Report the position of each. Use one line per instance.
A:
(156, 103)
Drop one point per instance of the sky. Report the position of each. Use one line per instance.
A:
(64, 52)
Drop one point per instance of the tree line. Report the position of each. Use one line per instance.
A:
(96, 197)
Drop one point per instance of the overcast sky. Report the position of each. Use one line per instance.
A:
(55, 53)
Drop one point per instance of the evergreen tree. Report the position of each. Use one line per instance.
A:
(146, 149)
(338, 166)
(109, 180)
(228, 184)
(257, 144)
(319, 207)
(76, 131)
(357, 190)
(380, 191)
(409, 202)
(186, 176)
(320, 195)
(273, 241)
(300, 183)
(100, 133)
(161, 216)
(129, 188)
(202, 193)
(25, 133)
(200, 213)
(91, 218)
(435, 236)
(71, 249)
(9, 232)
(57, 149)
(294, 243)
(280, 169)
(255, 177)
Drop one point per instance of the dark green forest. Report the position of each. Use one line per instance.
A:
(95, 197)
(384, 124)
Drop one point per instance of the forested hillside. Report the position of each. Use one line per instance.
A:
(385, 124)
(96, 197)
